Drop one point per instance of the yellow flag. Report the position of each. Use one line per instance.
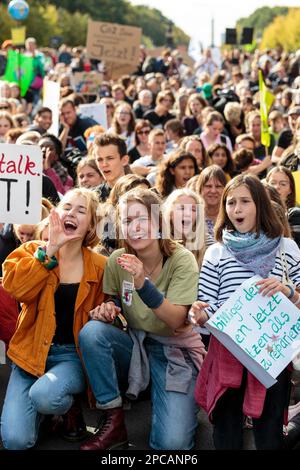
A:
(266, 100)
(18, 35)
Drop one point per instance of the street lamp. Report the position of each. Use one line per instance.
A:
(169, 36)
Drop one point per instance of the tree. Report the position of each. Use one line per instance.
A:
(261, 18)
(68, 18)
(283, 31)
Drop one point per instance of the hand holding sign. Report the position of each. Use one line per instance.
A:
(57, 234)
(271, 285)
(197, 313)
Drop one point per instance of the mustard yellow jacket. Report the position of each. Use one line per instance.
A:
(26, 279)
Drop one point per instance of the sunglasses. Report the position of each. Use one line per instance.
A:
(4, 107)
(143, 132)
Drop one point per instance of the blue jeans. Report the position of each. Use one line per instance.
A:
(28, 397)
(106, 352)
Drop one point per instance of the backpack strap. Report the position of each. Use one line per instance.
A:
(223, 139)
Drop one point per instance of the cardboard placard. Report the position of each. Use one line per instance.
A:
(51, 97)
(95, 111)
(113, 42)
(114, 71)
(20, 183)
(261, 332)
(87, 83)
(18, 35)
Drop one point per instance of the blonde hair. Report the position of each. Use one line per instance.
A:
(200, 226)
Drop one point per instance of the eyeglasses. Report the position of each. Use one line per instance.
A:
(124, 113)
(143, 132)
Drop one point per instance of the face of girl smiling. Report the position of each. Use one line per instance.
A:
(74, 215)
(137, 227)
(241, 209)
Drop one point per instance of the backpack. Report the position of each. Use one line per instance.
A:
(223, 98)
(150, 65)
(294, 222)
(71, 160)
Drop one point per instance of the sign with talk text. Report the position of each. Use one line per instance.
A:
(113, 42)
(20, 183)
(262, 332)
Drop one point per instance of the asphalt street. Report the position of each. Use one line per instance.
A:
(138, 419)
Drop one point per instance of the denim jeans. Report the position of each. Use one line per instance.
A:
(106, 352)
(28, 397)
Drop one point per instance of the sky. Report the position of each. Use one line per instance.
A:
(194, 16)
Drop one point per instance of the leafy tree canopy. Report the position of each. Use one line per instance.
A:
(261, 18)
(68, 18)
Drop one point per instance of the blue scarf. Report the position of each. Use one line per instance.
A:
(255, 254)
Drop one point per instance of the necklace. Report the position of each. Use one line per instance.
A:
(149, 273)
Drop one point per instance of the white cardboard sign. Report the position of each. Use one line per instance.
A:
(51, 97)
(261, 332)
(95, 111)
(20, 183)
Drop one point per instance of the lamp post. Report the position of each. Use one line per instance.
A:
(169, 36)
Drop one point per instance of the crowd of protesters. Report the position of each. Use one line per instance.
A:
(115, 310)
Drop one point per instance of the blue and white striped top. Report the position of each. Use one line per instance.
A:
(221, 275)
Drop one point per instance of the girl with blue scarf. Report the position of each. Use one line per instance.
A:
(250, 242)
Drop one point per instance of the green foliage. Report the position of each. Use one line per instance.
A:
(284, 32)
(261, 18)
(68, 18)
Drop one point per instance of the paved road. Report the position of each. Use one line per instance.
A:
(138, 425)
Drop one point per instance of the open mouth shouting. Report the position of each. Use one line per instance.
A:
(70, 226)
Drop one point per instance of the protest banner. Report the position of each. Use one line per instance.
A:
(113, 42)
(95, 111)
(114, 71)
(18, 35)
(20, 183)
(261, 332)
(51, 97)
(87, 83)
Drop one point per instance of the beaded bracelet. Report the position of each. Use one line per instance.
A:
(41, 255)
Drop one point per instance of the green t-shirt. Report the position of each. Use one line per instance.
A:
(178, 282)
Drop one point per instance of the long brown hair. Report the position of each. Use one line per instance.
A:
(165, 179)
(266, 217)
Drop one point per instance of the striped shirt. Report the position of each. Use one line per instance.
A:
(221, 274)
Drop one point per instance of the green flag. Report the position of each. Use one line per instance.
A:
(266, 100)
(19, 69)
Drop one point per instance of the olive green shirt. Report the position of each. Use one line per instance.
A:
(178, 282)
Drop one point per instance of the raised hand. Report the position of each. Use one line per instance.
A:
(57, 235)
(134, 266)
